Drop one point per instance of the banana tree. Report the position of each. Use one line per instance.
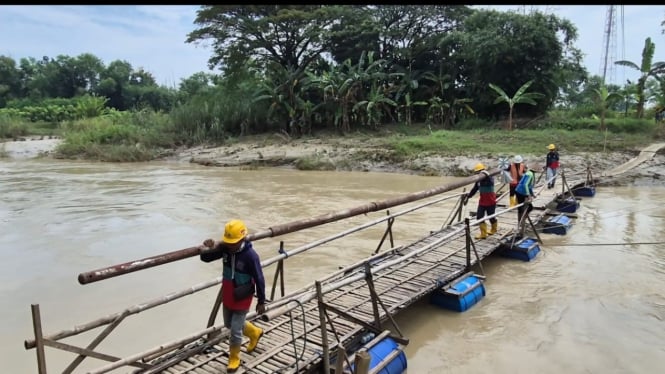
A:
(375, 106)
(409, 82)
(342, 86)
(520, 97)
(441, 112)
(648, 68)
(603, 99)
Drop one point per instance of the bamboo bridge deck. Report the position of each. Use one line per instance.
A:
(325, 323)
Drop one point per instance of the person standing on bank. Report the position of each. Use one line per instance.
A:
(524, 193)
(486, 202)
(516, 169)
(241, 275)
(552, 165)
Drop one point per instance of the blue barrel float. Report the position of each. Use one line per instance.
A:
(461, 294)
(388, 354)
(585, 191)
(559, 225)
(567, 205)
(524, 249)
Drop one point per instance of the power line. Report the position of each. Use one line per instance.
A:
(602, 244)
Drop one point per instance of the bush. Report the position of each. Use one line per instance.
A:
(118, 136)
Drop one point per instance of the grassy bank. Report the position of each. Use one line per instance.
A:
(14, 128)
(404, 143)
(118, 137)
(147, 135)
(493, 142)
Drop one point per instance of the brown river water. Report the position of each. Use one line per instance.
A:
(579, 307)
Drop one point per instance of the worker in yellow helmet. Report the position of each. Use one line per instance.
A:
(552, 165)
(487, 201)
(242, 275)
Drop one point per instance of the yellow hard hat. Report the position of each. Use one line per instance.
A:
(551, 146)
(479, 167)
(234, 231)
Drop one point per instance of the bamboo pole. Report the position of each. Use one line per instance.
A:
(285, 228)
(324, 329)
(339, 360)
(37, 327)
(362, 362)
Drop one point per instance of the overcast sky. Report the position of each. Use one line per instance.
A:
(153, 37)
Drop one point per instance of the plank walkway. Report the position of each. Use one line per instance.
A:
(398, 286)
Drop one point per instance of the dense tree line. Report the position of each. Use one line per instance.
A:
(30, 81)
(294, 68)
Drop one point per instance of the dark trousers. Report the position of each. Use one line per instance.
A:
(512, 190)
(489, 210)
(520, 210)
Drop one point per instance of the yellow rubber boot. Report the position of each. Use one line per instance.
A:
(483, 231)
(254, 333)
(513, 201)
(234, 359)
(495, 227)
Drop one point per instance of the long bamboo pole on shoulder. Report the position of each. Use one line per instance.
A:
(285, 228)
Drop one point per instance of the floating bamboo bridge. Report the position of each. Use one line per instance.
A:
(330, 325)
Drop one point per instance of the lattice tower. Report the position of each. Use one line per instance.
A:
(609, 48)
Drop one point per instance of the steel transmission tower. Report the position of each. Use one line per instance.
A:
(609, 51)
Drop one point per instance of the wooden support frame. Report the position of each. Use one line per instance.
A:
(88, 351)
(467, 235)
(469, 246)
(387, 233)
(457, 210)
(279, 274)
(95, 342)
(377, 300)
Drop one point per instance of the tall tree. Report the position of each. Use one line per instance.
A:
(9, 80)
(290, 35)
(505, 48)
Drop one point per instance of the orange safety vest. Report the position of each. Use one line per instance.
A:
(516, 175)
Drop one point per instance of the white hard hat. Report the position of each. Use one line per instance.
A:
(518, 159)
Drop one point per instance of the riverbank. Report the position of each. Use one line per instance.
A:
(367, 154)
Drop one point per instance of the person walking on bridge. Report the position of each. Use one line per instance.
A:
(516, 169)
(486, 202)
(552, 165)
(524, 193)
(242, 274)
